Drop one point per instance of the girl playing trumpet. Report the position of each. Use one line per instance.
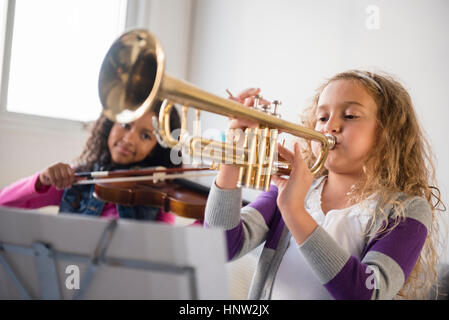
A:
(363, 228)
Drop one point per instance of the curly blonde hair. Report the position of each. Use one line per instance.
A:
(401, 161)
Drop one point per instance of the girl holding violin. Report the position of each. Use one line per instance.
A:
(111, 146)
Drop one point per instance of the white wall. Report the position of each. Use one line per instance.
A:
(288, 47)
(170, 21)
(28, 146)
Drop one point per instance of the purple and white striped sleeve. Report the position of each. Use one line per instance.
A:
(246, 228)
(386, 261)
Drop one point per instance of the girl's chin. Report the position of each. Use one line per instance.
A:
(121, 160)
(341, 168)
(334, 165)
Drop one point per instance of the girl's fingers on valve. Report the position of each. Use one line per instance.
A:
(242, 124)
(249, 101)
(249, 123)
(286, 154)
(278, 181)
(250, 92)
(247, 97)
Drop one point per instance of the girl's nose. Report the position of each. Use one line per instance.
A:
(130, 136)
(333, 125)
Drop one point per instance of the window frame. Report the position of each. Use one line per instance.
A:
(30, 121)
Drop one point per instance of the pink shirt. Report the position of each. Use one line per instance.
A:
(23, 194)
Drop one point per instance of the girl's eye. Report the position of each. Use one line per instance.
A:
(350, 117)
(126, 126)
(145, 136)
(322, 119)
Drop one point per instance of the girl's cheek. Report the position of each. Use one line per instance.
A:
(316, 148)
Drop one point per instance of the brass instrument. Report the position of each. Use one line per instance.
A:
(132, 79)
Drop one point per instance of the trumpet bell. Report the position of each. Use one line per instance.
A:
(131, 75)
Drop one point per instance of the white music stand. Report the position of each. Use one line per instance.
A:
(122, 259)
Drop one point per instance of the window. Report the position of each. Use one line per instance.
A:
(56, 53)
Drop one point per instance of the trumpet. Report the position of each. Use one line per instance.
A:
(132, 78)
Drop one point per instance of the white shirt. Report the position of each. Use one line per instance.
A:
(295, 279)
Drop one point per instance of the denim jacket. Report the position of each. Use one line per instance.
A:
(80, 199)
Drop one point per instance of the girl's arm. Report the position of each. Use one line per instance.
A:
(246, 228)
(24, 194)
(386, 261)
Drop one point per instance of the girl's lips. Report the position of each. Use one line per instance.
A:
(337, 141)
(336, 145)
(124, 150)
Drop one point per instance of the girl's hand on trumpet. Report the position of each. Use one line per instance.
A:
(228, 174)
(246, 97)
(292, 193)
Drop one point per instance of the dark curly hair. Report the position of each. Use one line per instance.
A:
(96, 152)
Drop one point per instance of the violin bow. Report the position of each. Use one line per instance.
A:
(154, 174)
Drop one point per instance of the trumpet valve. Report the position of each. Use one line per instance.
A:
(256, 101)
(265, 108)
(276, 104)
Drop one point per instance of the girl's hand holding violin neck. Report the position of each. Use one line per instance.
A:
(292, 191)
(61, 175)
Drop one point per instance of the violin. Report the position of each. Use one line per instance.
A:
(181, 197)
(157, 187)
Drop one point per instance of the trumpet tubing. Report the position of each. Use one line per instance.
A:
(132, 79)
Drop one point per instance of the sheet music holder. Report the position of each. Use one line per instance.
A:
(122, 259)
